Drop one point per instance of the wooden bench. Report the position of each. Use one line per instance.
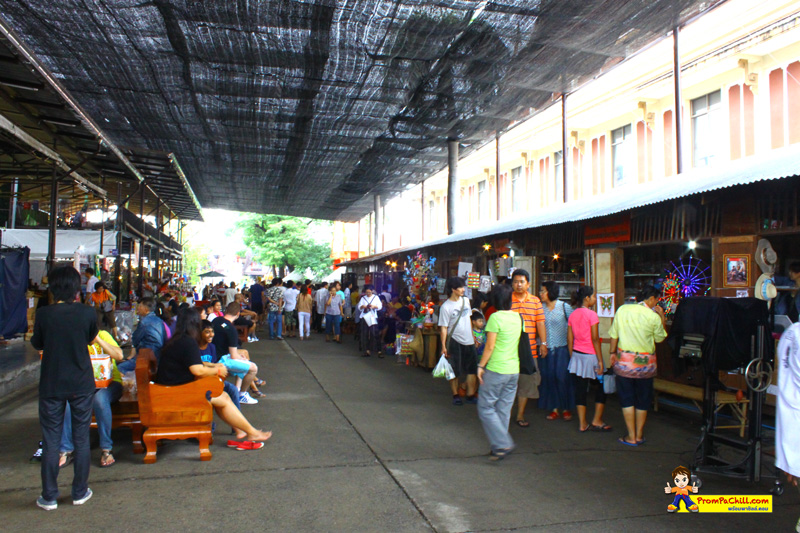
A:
(125, 414)
(241, 331)
(695, 394)
(174, 412)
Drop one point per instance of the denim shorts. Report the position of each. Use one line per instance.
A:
(237, 367)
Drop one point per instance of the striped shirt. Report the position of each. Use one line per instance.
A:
(530, 307)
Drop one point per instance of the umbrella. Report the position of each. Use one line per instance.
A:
(212, 274)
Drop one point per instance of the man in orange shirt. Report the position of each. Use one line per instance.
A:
(530, 308)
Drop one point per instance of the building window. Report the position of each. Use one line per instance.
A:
(706, 129)
(558, 172)
(483, 201)
(431, 216)
(622, 155)
(517, 193)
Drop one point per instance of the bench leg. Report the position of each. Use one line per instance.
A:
(136, 437)
(205, 440)
(151, 443)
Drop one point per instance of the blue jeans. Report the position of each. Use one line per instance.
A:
(333, 324)
(275, 321)
(51, 420)
(103, 398)
(233, 392)
(495, 398)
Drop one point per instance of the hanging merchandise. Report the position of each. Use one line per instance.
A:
(689, 277)
(420, 277)
(473, 280)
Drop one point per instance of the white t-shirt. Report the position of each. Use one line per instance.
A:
(370, 316)
(290, 299)
(90, 284)
(461, 325)
(230, 295)
(787, 432)
(322, 300)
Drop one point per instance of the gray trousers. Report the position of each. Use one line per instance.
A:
(495, 398)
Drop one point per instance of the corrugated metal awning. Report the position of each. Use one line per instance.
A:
(775, 164)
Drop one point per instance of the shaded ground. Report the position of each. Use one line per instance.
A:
(368, 445)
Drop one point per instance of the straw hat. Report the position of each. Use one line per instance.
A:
(765, 288)
(766, 258)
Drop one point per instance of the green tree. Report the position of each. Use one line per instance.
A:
(195, 259)
(289, 244)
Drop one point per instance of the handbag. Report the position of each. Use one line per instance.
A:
(635, 365)
(101, 366)
(526, 364)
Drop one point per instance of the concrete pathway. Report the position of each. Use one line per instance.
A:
(365, 444)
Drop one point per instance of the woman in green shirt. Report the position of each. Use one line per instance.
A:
(498, 372)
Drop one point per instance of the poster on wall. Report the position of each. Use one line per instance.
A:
(440, 285)
(605, 305)
(737, 270)
(485, 284)
(464, 269)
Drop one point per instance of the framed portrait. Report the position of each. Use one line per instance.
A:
(737, 270)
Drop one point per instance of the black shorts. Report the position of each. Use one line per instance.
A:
(463, 358)
(242, 321)
(258, 307)
(635, 392)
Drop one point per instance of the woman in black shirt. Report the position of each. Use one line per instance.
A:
(180, 363)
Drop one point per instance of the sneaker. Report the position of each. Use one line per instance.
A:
(37, 455)
(85, 498)
(46, 505)
(457, 400)
(694, 508)
(245, 398)
(472, 399)
(234, 443)
(671, 508)
(278, 338)
(255, 339)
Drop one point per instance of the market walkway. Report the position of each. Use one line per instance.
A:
(368, 445)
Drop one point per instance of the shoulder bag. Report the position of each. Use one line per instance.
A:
(526, 364)
(450, 328)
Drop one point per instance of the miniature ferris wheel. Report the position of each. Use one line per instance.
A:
(689, 277)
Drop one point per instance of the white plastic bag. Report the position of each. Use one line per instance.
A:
(443, 369)
(609, 384)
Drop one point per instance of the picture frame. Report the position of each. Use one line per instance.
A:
(736, 270)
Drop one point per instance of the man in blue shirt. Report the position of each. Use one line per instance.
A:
(150, 333)
(257, 299)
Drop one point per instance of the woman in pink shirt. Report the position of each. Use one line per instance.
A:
(586, 359)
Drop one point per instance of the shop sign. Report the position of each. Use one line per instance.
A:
(617, 229)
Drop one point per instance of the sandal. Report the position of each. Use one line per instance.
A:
(258, 394)
(107, 459)
(500, 455)
(623, 440)
(553, 416)
(567, 415)
(523, 423)
(67, 457)
(584, 430)
(603, 429)
(260, 382)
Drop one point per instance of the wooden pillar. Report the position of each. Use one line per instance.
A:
(141, 243)
(51, 237)
(605, 268)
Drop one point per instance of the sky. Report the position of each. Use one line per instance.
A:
(214, 232)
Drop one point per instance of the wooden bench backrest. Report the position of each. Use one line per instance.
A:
(146, 366)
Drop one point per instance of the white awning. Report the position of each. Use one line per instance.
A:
(68, 241)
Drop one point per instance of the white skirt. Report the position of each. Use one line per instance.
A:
(583, 365)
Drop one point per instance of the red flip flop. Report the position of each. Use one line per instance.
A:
(249, 445)
(234, 443)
